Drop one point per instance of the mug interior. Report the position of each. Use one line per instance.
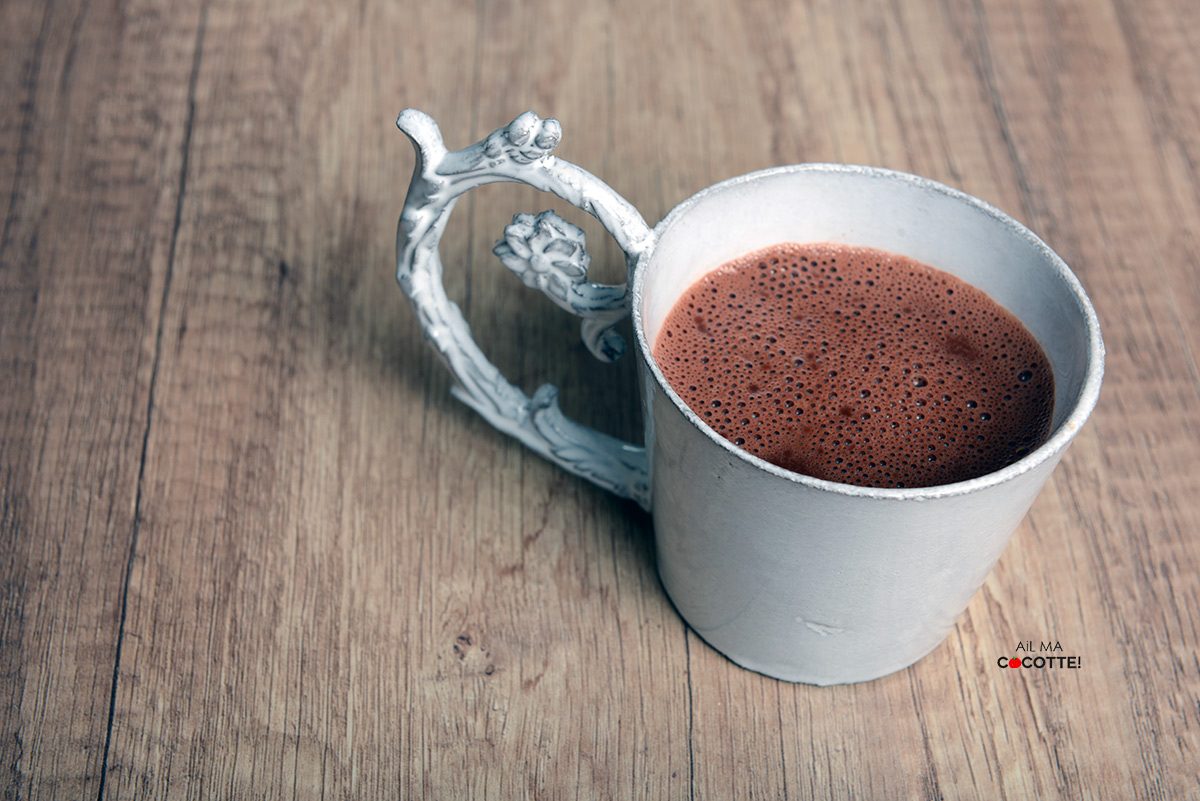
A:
(891, 211)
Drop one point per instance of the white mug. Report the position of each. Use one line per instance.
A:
(792, 576)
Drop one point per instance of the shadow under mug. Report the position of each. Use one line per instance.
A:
(792, 576)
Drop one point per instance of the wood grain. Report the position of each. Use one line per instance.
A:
(94, 107)
(250, 548)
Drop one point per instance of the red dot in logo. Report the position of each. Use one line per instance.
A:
(1014, 663)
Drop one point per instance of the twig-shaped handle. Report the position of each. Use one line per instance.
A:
(547, 253)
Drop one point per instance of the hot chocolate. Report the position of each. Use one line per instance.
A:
(857, 365)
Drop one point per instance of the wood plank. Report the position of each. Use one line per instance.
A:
(1036, 110)
(350, 585)
(92, 118)
(1162, 48)
(836, 86)
(1125, 508)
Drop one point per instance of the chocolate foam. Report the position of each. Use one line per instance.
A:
(857, 365)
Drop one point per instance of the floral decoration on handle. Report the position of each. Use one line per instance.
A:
(548, 254)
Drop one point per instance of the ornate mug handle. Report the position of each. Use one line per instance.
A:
(547, 253)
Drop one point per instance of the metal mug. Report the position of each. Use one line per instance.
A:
(788, 575)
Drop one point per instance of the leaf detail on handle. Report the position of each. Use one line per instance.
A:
(550, 255)
(546, 252)
(575, 445)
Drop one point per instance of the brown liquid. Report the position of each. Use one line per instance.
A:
(857, 365)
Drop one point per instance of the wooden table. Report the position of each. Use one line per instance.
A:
(250, 547)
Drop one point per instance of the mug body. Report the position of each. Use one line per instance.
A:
(811, 580)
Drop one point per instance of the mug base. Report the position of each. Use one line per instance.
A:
(795, 675)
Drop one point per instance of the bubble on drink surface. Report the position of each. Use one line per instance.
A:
(808, 343)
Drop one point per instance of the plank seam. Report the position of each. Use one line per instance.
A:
(193, 80)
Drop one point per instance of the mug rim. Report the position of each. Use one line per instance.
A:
(1085, 402)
